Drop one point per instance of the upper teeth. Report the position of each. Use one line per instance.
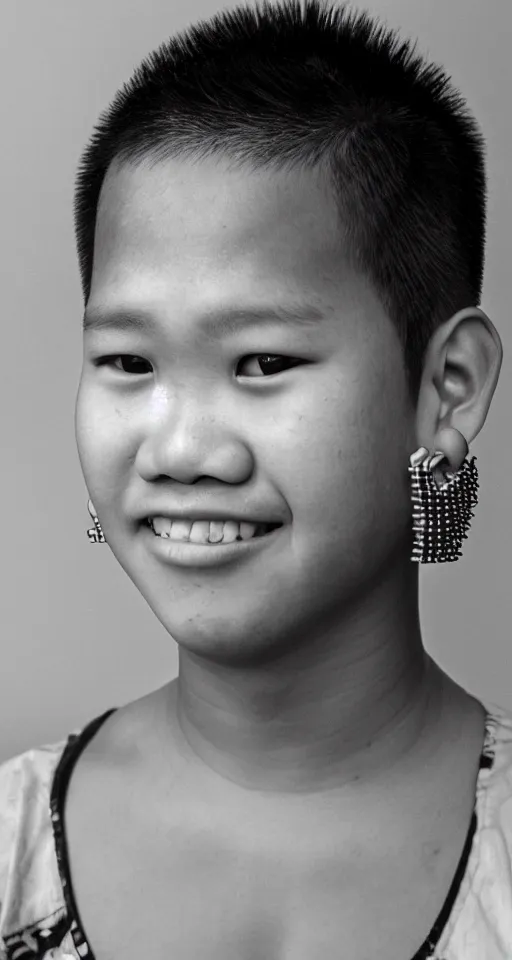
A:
(203, 531)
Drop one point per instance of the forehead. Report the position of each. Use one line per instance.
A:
(181, 223)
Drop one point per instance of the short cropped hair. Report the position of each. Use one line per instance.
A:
(312, 87)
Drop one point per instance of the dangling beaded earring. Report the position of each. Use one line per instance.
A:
(441, 514)
(95, 534)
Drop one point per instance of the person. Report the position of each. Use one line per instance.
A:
(280, 225)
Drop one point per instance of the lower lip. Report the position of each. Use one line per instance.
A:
(182, 553)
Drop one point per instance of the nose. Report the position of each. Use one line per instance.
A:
(189, 444)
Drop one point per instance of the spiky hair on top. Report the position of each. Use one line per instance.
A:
(312, 86)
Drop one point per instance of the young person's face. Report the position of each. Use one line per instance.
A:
(197, 424)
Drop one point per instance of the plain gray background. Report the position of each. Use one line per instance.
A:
(77, 637)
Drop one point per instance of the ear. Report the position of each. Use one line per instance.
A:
(460, 373)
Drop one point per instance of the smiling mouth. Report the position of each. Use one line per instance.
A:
(262, 529)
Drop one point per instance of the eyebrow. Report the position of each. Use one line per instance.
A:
(218, 322)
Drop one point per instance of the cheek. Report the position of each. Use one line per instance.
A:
(347, 476)
(100, 441)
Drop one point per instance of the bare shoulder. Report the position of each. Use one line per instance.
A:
(132, 732)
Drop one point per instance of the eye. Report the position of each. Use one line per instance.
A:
(268, 362)
(109, 362)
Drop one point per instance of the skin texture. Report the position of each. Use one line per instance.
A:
(301, 668)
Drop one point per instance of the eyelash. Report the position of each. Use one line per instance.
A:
(109, 361)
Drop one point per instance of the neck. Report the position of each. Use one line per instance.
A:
(344, 705)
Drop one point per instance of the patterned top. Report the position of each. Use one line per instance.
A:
(39, 918)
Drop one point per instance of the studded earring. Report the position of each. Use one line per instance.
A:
(95, 534)
(442, 514)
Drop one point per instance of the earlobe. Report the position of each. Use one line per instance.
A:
(452, 446)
